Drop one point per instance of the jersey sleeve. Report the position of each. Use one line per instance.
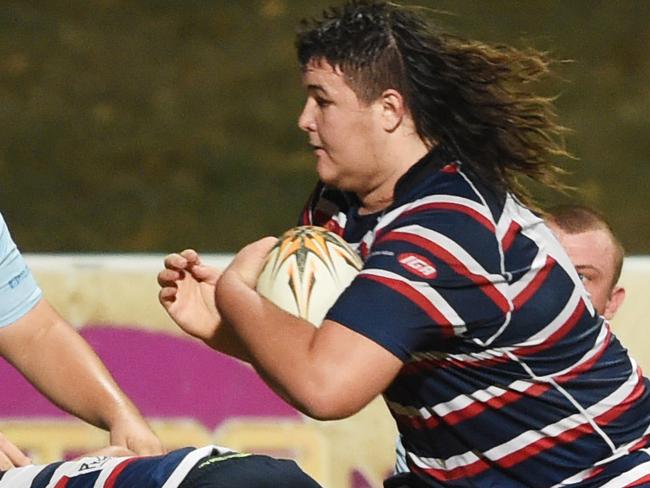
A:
(429, 281)
(19, 292)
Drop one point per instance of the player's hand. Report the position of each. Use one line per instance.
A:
(248, 263)
(187, 289)
(10, 455)
(133, 434)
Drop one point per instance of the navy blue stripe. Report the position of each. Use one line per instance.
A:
(43, 478)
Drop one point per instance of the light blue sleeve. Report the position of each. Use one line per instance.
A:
(18, 289)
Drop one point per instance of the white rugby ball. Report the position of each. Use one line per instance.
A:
(307, 270)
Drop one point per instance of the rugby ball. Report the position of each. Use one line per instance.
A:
(307, 270)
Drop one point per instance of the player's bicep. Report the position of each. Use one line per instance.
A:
(357, 369)
(20, 332)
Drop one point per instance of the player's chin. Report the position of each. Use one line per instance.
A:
(327, 173)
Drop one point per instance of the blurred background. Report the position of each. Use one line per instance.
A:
(153, 125)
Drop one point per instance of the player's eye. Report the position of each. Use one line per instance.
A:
(584, 278)
(321, 102)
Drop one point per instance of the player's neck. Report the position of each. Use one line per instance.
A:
(398, 159)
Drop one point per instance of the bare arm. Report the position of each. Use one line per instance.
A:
(330, 372)
(59, 363)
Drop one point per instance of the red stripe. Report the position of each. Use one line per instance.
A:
(586, 366)
(535, 390)
(572, 434)
(473, 409)
(427, 364)
(484, 284)
(449, 168)
(612, 414)
(641, 443)
(62, 483)
(363, 250)
(510, 235)
(593, 473)
(110, 482)
(535, 284)
(542, 444)
(455, 207)
(555, 337)
(640, 481)
(305, 218)
(334, 226)
(417, 298)
(448, 362)
(466, 471)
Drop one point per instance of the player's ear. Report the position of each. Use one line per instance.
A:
(393, 109)
(616, 298)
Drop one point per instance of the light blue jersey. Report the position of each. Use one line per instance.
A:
(18, 289)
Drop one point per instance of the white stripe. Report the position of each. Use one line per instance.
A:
(556, 324)
(535, 229)
(486, 212)
(486, 355)
(427, 292)
(460, 401)
(448, 464)
(590, 420)
(189, 462)
(620, 452)
(391, 216)
(557, 428)
(16, 477)
(463, 400)
(599, 344)
(108, 469)
(400, 456)
(460, 254)
(527, 438)
(519, 286)
(636, 473)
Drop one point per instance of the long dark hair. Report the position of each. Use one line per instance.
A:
(471, 97)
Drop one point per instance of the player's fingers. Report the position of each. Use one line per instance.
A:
(167, 295)
(10, 455)
(5, 463)
(206, 273)
(191, 256)
(168, 277)
(175, 261)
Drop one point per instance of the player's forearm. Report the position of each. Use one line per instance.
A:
(228, 342)
(60, 364)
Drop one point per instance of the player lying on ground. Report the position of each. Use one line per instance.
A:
(206, 467)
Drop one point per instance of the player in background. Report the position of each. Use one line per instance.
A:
(468, 316)
(595, 251)
(53, 357)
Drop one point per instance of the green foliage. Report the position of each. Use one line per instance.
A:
(154, 125)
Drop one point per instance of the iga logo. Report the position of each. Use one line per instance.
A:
(417, 264)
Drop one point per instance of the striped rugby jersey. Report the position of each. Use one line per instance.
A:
(166, 471)
(510, 378)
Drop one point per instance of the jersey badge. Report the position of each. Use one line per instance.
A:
(418, 265)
